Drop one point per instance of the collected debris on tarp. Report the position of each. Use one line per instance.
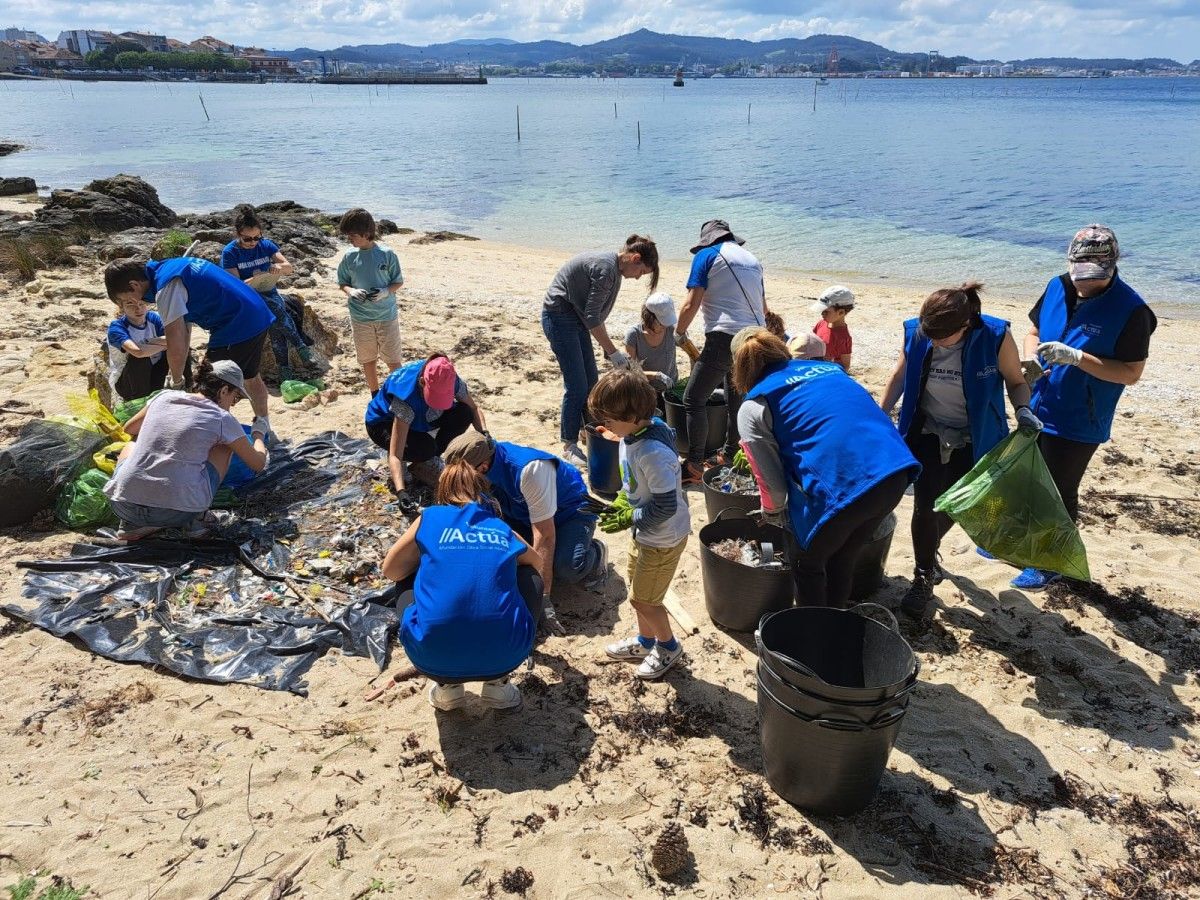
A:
(747, 553)
(293, 574)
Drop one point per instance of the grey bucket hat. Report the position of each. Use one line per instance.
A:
(713, 232)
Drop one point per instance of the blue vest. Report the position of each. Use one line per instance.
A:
(1071, 403)
(467, 616)
(401, 385)
(230, 311)
(834, 440)
(982, 383)
(510, 461)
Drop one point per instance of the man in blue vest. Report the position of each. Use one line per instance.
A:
(543, 499)
(1092, 332)
(188, 289)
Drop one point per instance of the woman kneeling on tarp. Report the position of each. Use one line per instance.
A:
(827, 460)
(470, 593)
(953, 368)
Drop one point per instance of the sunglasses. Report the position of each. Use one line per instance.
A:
(250, 240)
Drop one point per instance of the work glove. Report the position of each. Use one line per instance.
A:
(1026, 419)
(260, 426)
(622, 502)
(619, 359)
(358, 295)
(1058, 353)
(616, 519)
(1032, 370)
(176, 384)
(550, 622)
(776, 517)
(741, 462)
(681, 338)
(661, 381)
(380, 294)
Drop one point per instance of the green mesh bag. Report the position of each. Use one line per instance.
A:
(1008, 505)
(81, 505)
(294, 389)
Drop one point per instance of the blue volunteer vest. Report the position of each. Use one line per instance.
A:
(401, 385)
(230, 311)
(1071, 403)
(982, 384)
(467, 616)
(510, 461)
(835, 442)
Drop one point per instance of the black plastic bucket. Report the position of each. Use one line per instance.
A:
(718, 418)
(736, 596)
(604, 463)
(833, 688)
(716, 499)
(868, 572)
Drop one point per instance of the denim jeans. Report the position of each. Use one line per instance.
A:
(575, 553)
(710, 372)
(137, 515)
(572, 346)
(283, 330)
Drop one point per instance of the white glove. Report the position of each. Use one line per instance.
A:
(176, 384)
(1026, 419)
(378, 295)
(261, 426)
(358, 295)
(1058, 353)
(661, 381)
(776, 517)
(619, 359)
(680, 338)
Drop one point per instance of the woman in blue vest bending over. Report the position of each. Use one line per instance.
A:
(1091, 332)
(827, 460)
(470, 593)
(953, 369)
(420, 409)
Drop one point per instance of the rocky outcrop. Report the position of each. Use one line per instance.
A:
(303, 234)
(437, 237)
(11, 187)
(107, 205)
(6, 148)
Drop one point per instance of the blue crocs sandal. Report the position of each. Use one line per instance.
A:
(985, 554)
(1034, 580)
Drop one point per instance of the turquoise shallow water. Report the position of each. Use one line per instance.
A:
(920, 182)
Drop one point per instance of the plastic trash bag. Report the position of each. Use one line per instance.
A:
(105, 459)
(45, 456)
(1008, 505)
(127, 409)
(82, 506)
(90, 409)
(239, 474)
(293, 389)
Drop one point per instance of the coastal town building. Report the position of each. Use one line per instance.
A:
(21, 34)
(84, 40)
(210, 44)
(155, 43)
(261, 61)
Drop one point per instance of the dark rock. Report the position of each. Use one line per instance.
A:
(437, 237)
(6, 149)
(209, 250)
(387, 226)
(136, 243)
(11, 187)
(107, 205)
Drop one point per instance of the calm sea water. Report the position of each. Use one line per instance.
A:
(918, 182)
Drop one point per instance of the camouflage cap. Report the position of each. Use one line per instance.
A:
(1093, 254)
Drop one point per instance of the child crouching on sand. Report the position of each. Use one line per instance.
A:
(651, 502)
(369, 276)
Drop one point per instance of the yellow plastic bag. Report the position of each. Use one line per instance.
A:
(90, 409)
(106, 457)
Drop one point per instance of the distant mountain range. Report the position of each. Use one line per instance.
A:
(645, 48)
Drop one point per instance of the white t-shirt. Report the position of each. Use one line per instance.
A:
(943, 399)
(539, 488)
(650, 467)
(171, 301)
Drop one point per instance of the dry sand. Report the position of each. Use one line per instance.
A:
(1035, 722)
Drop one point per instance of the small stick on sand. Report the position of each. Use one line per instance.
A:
(309, 600)
(679, 614)
(403, 675)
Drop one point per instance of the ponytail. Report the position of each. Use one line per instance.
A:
(460, 484)
(645, 248)
(206, 382)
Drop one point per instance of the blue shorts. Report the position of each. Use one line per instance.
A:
(135, 515)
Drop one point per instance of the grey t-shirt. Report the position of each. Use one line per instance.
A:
(943, 399)
(166, 469)
(588, 284)
(653, 359)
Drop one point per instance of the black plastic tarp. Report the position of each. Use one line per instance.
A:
(219, 609)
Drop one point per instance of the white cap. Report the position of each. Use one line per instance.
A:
(836, 296)
(806, 346)
(663, 308)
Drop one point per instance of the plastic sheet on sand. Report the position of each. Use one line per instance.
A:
(219, 609)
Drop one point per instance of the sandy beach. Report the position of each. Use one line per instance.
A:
(1050, 750)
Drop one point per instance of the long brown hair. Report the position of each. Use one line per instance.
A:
(758, 351)
(459, 484)
(648, 251)
(946, 311)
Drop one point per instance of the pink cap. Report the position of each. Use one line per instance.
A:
(439, 378)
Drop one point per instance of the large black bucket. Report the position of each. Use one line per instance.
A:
(868, 572)
(738, 596)
(716, 499)
(833, 688)
(718, 418)
(604, 463)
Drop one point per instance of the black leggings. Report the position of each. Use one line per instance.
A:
(709, 372)
(529, 583)
(1067, 461)
(825, 571)
(929, 527)
(422, 446)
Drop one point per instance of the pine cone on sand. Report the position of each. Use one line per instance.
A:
(670, 854)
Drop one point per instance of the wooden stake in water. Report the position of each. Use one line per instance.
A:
(814, 96)
(639, 132)
(748, 105)
(207, 117)
(518, 122)
(614, 109)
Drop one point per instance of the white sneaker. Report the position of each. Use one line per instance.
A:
(500, 695)
(659, 660)
(630, 648)
(447, 697)
(572, 454)
(596, 579)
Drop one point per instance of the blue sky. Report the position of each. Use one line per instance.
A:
(978, 28)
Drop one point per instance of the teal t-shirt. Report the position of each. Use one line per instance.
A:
(370, 269)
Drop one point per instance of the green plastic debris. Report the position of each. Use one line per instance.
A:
(127, 409)
(81, 505)
(293, 390)
(1008, 505)
(675, 394)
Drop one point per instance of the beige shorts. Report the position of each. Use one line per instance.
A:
(373, 340)
(651, 570)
